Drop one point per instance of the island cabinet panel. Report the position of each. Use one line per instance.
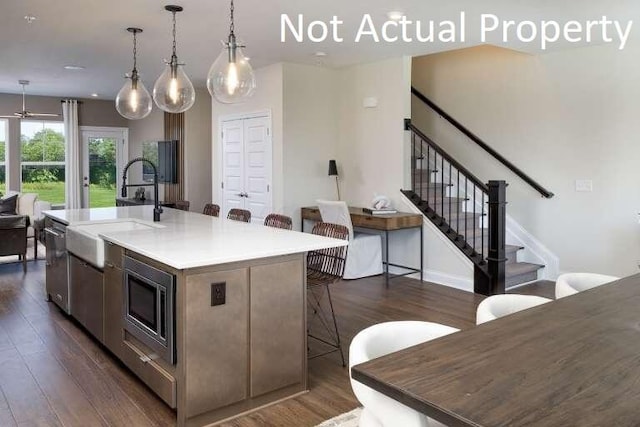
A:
(215, 341)
(278, 351)
(87, 296)
(113, 300)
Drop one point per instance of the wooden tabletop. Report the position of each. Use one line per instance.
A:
(572, 362)
(388, 222)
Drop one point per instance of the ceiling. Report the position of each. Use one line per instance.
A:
(91, 33)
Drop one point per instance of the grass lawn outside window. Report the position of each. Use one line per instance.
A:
(53, 192)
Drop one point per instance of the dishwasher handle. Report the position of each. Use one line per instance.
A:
(53, 232)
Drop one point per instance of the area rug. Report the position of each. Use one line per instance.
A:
(348, 419)
(42, 251)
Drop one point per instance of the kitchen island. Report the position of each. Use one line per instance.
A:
(227, 332)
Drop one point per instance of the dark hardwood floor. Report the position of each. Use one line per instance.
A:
(53, 374)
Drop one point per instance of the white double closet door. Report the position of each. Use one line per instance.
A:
(246, 166)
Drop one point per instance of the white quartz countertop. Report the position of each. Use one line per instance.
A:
(187, 240)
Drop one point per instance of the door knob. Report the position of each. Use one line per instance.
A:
(86, 185)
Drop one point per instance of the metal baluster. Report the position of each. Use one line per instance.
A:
(421, 167)
(466, 187)
(475, 245)
(458, 206)
(413, 156)
(450, 178)
(442, 187)
(429, 169)
(481, 229)
(435, 190)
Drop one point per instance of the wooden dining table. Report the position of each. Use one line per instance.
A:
(572, 362)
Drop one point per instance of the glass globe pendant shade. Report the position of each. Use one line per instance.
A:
(231, 78)
(173, 91)
(133, 101)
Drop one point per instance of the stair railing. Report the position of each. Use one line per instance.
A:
(470, 213)
(486, 147)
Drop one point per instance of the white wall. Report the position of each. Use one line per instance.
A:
(310, 136)
(268, 96)
(372, 140)
(373, 155)
(151, 128)
(559, 117)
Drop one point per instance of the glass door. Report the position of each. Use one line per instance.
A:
(104, 152)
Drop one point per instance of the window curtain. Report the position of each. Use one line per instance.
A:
(73, 173)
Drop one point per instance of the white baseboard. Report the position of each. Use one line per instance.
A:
(457, 282)
(445, 279)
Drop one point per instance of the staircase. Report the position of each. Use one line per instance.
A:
(458, 203)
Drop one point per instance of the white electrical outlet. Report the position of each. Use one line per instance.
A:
(370, 102)
(584, 185)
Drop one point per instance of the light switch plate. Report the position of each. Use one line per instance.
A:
(584, 185)
(371, 102)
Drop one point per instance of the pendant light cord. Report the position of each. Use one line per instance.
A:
(232, 26)
(135, 52)
(174, 34)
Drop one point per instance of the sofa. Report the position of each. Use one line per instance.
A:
(28, 204)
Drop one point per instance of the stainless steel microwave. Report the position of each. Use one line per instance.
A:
(149, 307)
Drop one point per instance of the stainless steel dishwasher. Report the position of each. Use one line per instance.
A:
(57, 275)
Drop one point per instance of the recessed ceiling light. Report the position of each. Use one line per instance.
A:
(320, 54)
(395, 15)
(94, 95)
(74, 67)
(30, 18)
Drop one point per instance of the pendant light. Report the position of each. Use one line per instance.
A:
(173, 91)
(231, 77)
(133, 101)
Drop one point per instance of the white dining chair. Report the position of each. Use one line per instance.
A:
(497, 306)
(572, 283)
(379, 340)
(364, 257)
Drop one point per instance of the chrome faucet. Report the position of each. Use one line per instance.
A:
(157, 210)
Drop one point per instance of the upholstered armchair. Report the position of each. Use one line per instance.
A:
(13, 237)
(28, 204)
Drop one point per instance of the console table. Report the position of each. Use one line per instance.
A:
(382, 223)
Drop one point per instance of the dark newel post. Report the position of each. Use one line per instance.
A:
(497, 230)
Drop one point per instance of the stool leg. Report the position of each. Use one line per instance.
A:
(335, 325)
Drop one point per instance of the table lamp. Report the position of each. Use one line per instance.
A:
(333, 171)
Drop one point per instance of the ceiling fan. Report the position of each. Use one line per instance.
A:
(24, 114)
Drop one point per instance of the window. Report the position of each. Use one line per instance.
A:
(43, 152)
(3, 161)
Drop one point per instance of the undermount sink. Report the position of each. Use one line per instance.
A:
(84, 241)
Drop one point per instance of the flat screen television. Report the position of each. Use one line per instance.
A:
(164, 154)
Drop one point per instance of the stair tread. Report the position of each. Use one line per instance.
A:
(432, 184)
(519, 268)
(446, 200)
(511, 248)
(515, 272)
(462, 214)
(508, 248)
